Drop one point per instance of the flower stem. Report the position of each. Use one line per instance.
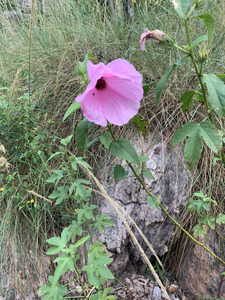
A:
(163, 208)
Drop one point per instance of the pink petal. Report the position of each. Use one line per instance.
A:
(92, 107)
(118, 110)
(122, 66)
(125, 88)
(94, 72)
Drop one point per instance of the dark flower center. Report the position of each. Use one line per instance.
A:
(101, 84)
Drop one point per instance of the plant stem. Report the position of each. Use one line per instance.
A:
(199, 75)
(79, 280)
(162, 207)
(81, 202)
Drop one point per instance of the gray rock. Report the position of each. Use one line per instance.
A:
(156, 294)
(170, 183)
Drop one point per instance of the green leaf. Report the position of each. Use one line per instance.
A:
(209, 221)
(56, 176)
(72, 108)
(60, 194)
(220, 219)
(216, 90)
(119, 173)
(209, 23)
(199, 231)
(53, 250)
(199, 40)
(194, 146)
(81, 137)
(160, 85)
(220, 75)
(141, 123)
(147, 87)
(105, 272)
(81, 69)
(211, 136)
(106, 139)
(103, 295)
(125, 150)
(65, 263)
(147, 173)
(181, 7)
(92, 278)
(143, 158)
(67, 140)
(101, 222)
(52, 291)
(55, 154)
(187, 100)
(81, 241)
(153, 201)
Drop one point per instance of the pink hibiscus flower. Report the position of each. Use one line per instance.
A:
(114, 93)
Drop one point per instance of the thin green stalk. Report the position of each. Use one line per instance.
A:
(79, 280)
(81, 203)
(199, 75)
(162, 207)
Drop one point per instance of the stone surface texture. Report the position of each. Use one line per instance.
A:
(200, 273)
(170, 183)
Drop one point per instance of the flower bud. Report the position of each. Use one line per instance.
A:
(198, 3)
(157, 36)
(203, 53)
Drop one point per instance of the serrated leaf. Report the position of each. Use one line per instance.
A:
(187, 100)
(125, 150)
(153, 201)
(119, 173)
(56, 176)
(216, 90)
(72, 108)
(211, 136)
(106, 139)
(209, 23)
(160, 85)
(194, 146)
(181, 7)
(199, 231)
(199, 40)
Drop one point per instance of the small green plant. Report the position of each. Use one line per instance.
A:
(202, 205)
(71, 189)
